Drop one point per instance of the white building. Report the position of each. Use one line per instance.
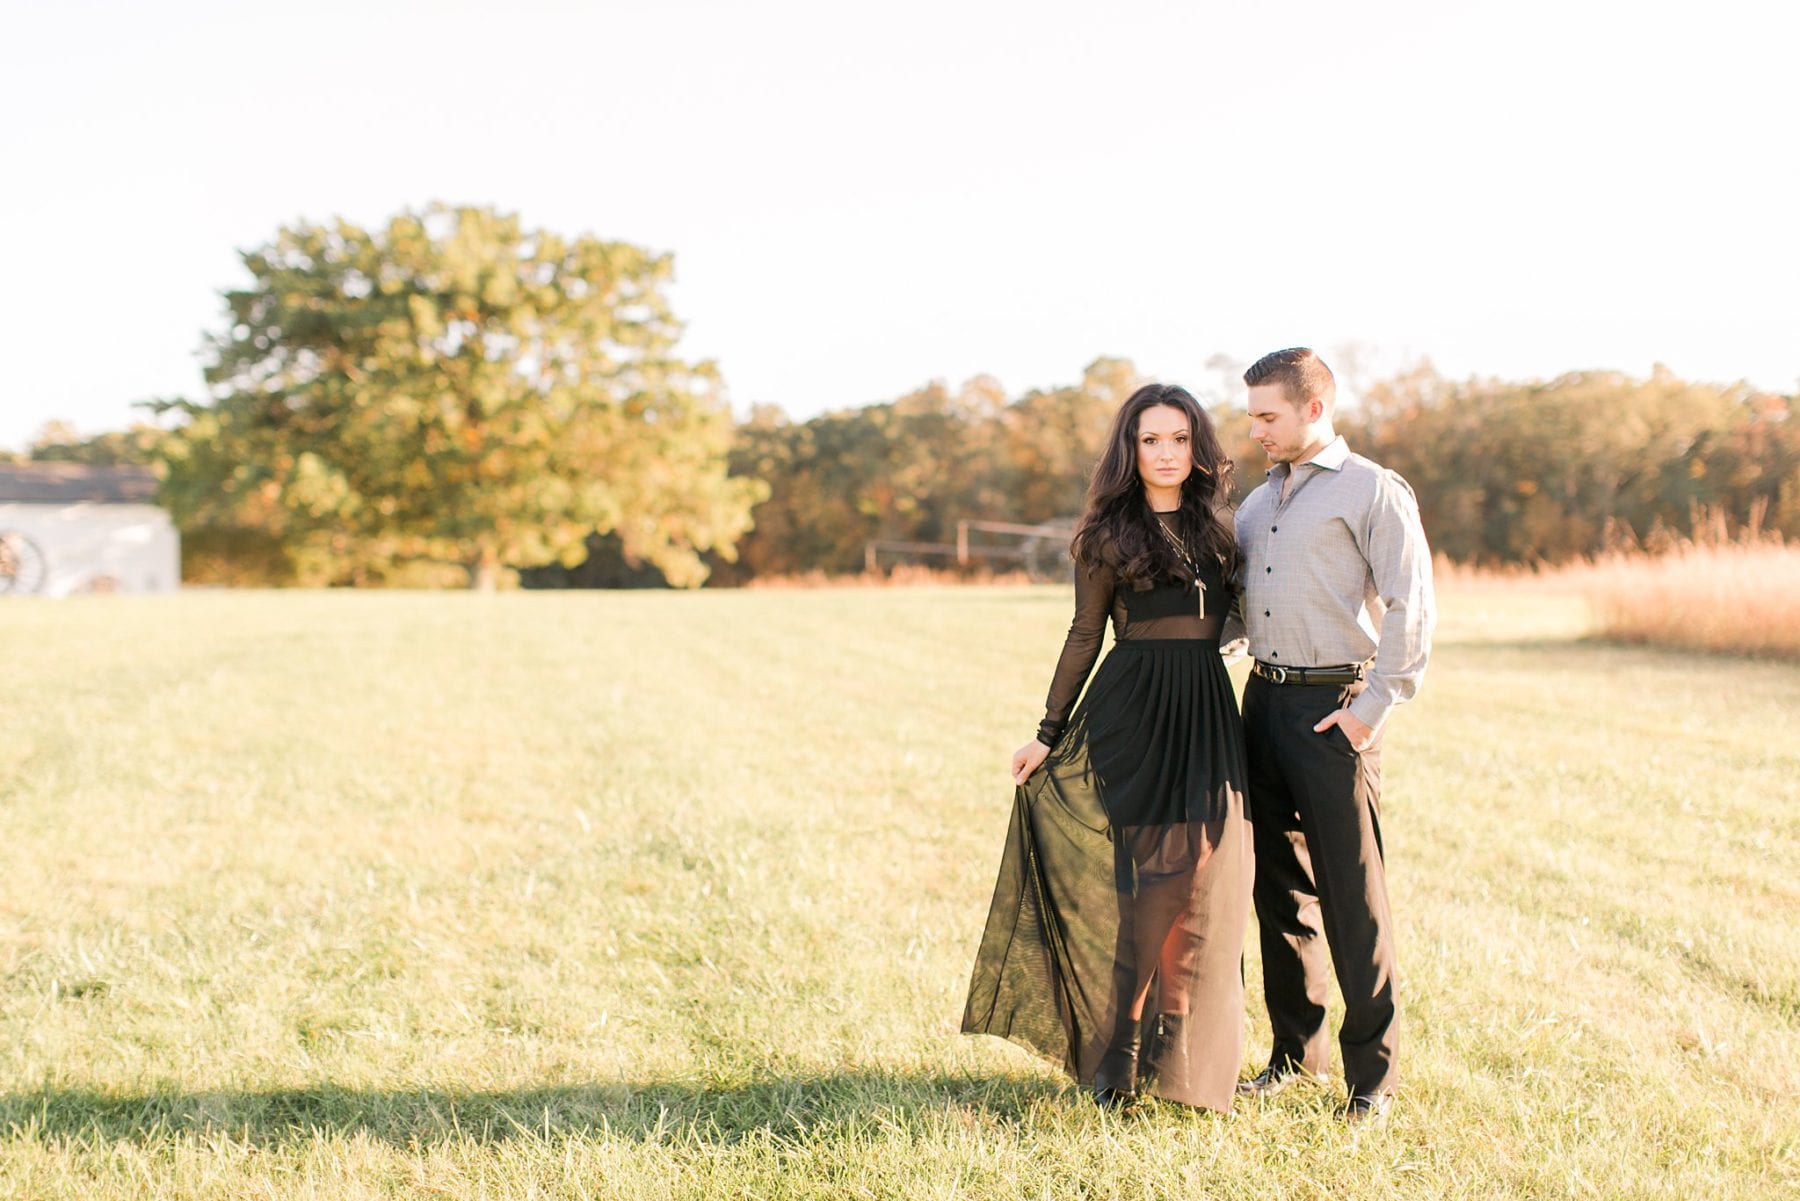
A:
(65, 529)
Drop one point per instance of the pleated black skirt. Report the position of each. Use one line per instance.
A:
(1129, 849)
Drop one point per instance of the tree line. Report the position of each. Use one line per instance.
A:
(1506, 471)
(452, 397)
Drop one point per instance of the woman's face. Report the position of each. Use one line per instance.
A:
(1165, 447)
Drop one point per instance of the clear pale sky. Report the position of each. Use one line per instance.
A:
(862, 198)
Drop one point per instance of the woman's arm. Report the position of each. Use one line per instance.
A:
(1093, 606)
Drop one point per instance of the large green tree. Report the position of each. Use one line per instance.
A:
(456, 388)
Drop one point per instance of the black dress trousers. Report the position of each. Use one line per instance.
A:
(1320, 882)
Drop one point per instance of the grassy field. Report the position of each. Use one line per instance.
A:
(651, 895)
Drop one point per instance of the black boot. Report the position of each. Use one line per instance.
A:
(1115, 1080)
(1167, 1060)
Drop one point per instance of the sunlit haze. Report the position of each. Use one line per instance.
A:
(864, 198)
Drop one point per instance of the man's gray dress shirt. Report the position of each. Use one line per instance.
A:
(1336, 572)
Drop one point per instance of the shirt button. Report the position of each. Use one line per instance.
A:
(1274, 529)
(1265, 612)
(1274, 654)
(1267, 570)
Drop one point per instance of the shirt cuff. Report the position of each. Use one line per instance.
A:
(1370, 709)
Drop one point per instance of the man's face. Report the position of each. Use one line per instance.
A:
(1278, 424)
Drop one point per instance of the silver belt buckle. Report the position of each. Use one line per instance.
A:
(1276, 674)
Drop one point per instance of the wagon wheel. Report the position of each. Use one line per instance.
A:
(21, 563)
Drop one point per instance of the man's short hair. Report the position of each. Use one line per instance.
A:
(1303, 376)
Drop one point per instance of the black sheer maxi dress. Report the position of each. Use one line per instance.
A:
(1129, 848)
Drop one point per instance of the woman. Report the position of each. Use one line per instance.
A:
(1118, 920)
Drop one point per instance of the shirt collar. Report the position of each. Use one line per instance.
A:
(1332, 458)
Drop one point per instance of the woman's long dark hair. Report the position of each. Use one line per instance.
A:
(1116, 529)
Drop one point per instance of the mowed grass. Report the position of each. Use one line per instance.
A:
(651, 895)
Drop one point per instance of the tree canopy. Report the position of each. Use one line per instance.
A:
(1541, 471)
(1507, 471)
(910, 468)
(456, 389)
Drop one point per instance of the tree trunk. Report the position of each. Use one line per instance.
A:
(484, 569)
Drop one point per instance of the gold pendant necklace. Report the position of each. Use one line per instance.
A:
(1188, 560)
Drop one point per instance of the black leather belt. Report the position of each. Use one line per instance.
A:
(1349, 673)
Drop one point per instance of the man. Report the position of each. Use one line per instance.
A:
(1338, 609)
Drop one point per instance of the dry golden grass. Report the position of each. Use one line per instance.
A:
(1743, 599)
(1738, 597)
(1726, 587)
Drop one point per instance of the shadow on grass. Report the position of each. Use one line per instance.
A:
(655, 1112)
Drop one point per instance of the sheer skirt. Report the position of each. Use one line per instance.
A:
(1128, 860)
